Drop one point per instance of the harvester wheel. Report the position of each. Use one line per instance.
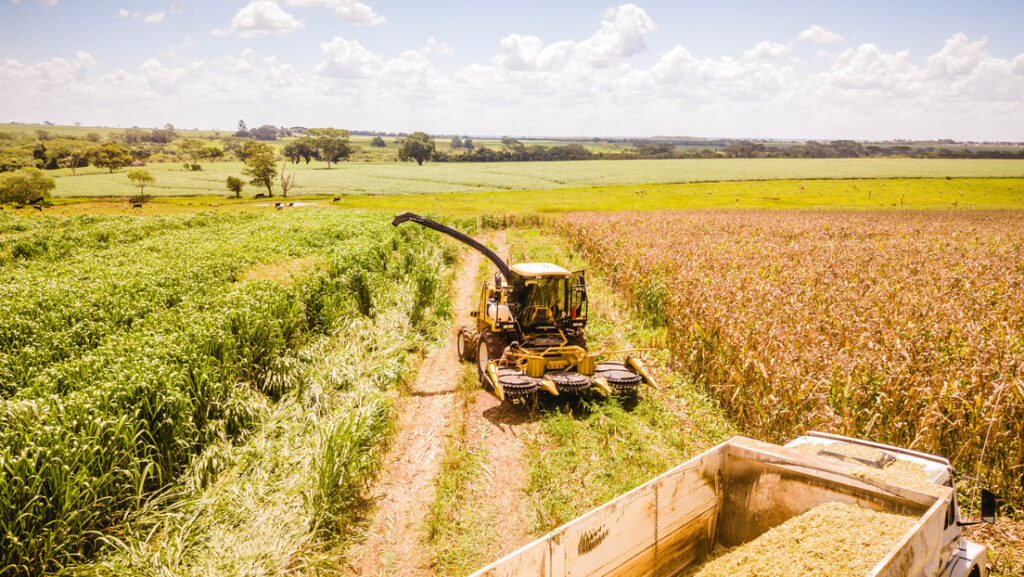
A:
(466, 343)
(489, 348)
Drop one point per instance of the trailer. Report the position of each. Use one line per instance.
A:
(738, 490)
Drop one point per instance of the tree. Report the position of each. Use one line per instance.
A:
(300, 149)
(193, 149)
(259, 165)
(287, 180)
(378, 142)
(133, 135)
(213, 153)
(235, 186)
(75, 159)
(417, 146)
(332, 144)
(68, 153)
(512, 145)
(236, 146)
(163, 135)
(243, 130)
(456, 142)
(93, 137)
(140, 177)
(111, 156)
(25, 185)
(140, 154)
(265, 132)
(468, 144)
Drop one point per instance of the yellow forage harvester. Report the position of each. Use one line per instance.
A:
(529, 331)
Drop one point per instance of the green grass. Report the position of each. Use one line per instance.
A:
(385, 178)
(858, 194)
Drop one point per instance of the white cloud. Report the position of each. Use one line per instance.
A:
(866, 68)
(818, 35)
(347, 59)
(1017, 66)
(960, 90)
(351, 11)
(163, 79)
(178, 7)
(435, 47)
(154, 18)
(122, 13)
(959, 56)
(530, 53)
(765, 50)
(261, 17)
(621, 34)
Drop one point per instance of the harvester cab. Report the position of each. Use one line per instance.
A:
(529, 331)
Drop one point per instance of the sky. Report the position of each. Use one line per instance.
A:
(823, 69)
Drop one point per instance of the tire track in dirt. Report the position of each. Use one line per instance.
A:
(394, 541)
(497, 426)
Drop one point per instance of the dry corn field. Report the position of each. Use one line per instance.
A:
(901, 327)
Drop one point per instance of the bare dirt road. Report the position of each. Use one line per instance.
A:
(394, 542)
(499, 428)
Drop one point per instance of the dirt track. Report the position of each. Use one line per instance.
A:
(395, 542)
(393, 545)
(497, 427)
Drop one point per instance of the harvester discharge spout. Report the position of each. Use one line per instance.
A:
(502, 267)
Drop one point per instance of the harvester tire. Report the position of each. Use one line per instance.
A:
(489, 348)
(466, 343)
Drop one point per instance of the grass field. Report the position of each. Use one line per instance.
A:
(859, 194)
(382, 178)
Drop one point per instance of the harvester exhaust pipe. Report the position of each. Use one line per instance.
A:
(502, 267)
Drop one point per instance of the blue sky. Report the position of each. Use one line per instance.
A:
(865, 70)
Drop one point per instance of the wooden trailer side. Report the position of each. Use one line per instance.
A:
(664, 523)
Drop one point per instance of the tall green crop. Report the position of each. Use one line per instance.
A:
(126, 346)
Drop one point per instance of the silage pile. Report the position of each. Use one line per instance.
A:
(830, 540)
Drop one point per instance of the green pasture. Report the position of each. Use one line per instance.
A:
(382, 178)
(868, 194)
(892, 194)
